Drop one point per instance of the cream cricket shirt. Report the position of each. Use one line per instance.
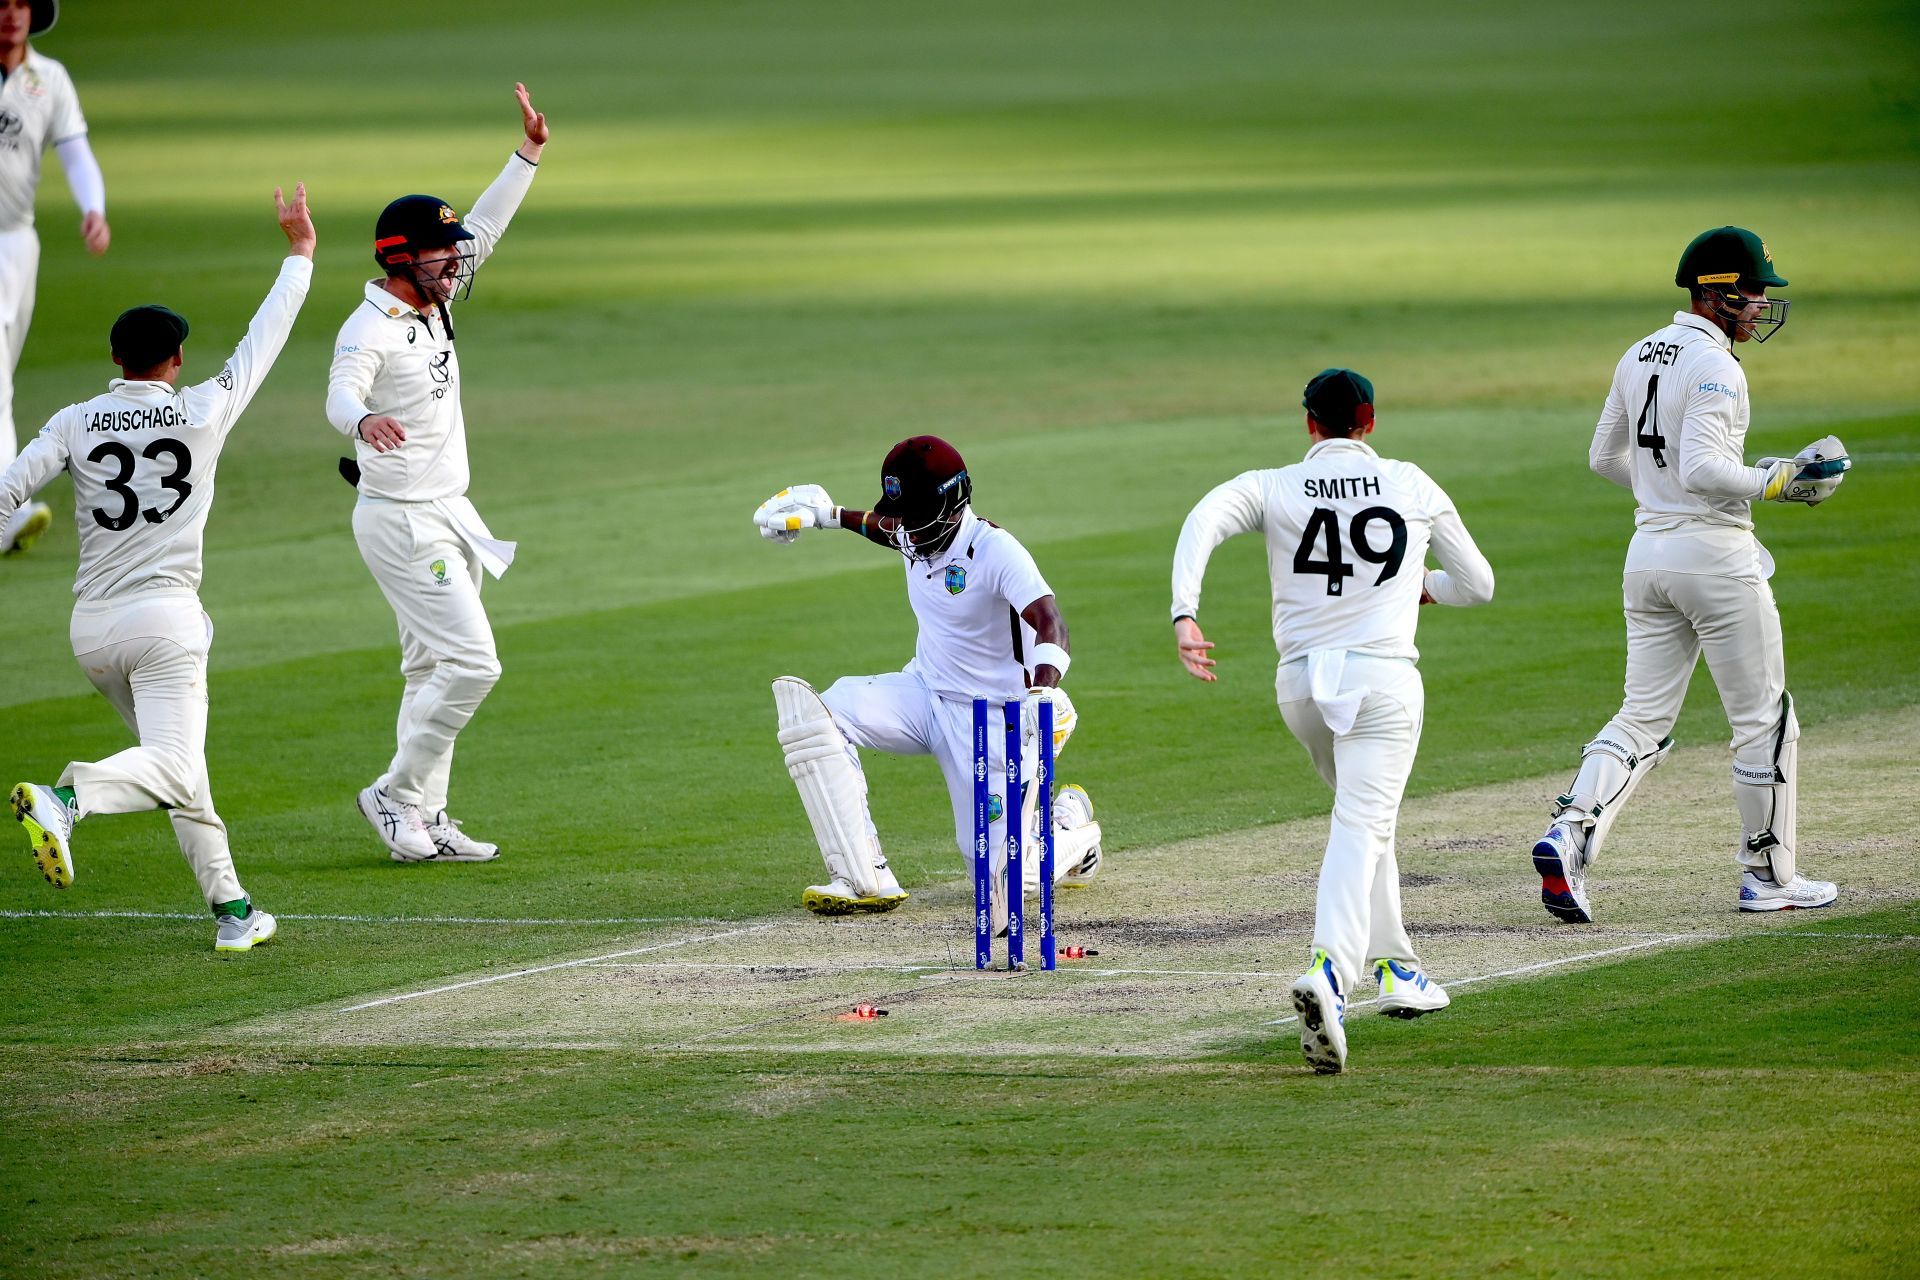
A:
(38, 109)
(390, 359)
(143, 458)
(1674, 429)
(968, 601)
(1347, 538)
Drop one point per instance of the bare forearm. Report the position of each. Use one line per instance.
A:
(1049, 629)
(876, 529)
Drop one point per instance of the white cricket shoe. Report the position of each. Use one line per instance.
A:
(25, 527)
(49, 825)
(1323, 1016)
(243, 933)
(838, 898)
(1764, 893)
(450, 844)
(1407, 992)
(401, 827)
(1560, 856)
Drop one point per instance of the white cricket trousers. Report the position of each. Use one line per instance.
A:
(1357, 916)
(431, 578)
(1675, 615)
(897, 713)
(19, 268)
(147, 655)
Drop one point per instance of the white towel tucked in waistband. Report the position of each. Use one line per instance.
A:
(495, 554)
(1325, 669)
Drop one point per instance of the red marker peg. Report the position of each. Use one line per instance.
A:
(1076, 953)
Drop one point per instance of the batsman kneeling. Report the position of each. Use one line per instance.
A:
(989, 627)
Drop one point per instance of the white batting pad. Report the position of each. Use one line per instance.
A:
(832, 788)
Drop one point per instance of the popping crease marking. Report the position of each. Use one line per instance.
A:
(549, 968)
(366, 919)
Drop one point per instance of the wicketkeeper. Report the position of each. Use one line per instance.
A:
(1674, 431)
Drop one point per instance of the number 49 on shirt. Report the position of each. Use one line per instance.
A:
(1324, 525)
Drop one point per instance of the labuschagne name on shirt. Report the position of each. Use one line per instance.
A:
(165, 415)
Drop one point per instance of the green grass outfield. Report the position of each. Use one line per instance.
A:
(1100, 246)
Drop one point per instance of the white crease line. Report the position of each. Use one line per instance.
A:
(549, 968)
(906, 966)
(1525, 968)
(348, 919)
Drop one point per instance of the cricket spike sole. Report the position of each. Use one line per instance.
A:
(50, 853)
(1323, 1036)
(1557, 893)
(833, 904)
(1315, 1043)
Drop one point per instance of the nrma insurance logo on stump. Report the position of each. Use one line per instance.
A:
(956, 579)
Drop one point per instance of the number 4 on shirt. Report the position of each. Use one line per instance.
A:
(1646, 432)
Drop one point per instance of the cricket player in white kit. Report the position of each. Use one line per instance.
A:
(38, 109)
(394, 390)
(1347, 538)
(1674, 431)
(142, 457)
(989, 627)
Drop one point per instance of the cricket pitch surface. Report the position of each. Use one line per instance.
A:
(1197, 941)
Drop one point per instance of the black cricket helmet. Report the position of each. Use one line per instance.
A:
(413, 224)
(1727, 264)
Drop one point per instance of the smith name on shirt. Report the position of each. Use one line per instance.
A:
(1344, 487)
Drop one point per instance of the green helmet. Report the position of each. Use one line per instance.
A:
(1726, 264)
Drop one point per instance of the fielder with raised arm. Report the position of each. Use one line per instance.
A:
(38, 109)
(989, 627)
(1674, 431)
(142, 458)
(1347, 538)
(395, 391)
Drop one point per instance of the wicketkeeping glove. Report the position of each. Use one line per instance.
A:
(1811, 475)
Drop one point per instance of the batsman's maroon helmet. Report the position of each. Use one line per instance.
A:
(923, 480)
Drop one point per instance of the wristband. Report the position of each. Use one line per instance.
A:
(1052, 655)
